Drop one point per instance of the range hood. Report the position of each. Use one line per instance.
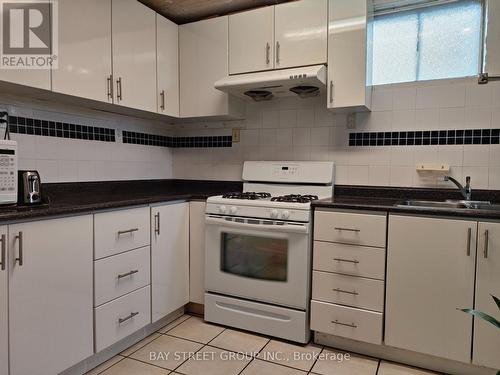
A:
(303, 82)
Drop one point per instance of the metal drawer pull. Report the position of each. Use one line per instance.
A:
(19, 259)
(3, 255)
(486, 240)
(110, 87)
(469, 236)
(352, 325)
(157, 223)
(354, 293)
(120, 232)
(278, 52)
(331, 91)
(355, 261)
(162, 98)
(268, 50)
(119, 89)
(123, 320)
(348, 229)
(121, 276)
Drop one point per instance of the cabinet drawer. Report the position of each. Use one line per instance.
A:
(349, 259)
(347, 322)
(122, 317)
(119, 231)
(348, 290)
(350, 228)
(121, 274)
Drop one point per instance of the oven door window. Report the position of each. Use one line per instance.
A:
(261, 258)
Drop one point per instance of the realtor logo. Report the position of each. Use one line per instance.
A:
(29, 34)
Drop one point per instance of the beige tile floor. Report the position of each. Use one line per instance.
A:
(189, 346)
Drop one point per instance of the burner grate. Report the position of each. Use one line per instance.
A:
(250, 195)
(295, 198)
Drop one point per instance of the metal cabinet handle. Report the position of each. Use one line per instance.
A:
(352, 325)
(355, 261)
(110, 87)
(120, 232)
(277, 52)
(486, 243)
(469, 237)
(19, 259)
(119, 89)
(157, 223)
(331, 91)
(162, 100)
(123, 320)
(121, 276)
(348, 229)
(4, 252)
(354, 293)
(268, 51)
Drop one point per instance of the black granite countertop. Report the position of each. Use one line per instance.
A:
(85, 197)
(386, 199)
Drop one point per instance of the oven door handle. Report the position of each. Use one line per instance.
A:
(302, 228)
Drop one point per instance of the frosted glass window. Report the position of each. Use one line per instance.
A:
(433, 42)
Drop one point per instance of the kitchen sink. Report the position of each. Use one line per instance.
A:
(450, 204)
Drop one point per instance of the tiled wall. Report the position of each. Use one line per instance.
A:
(68, 159)
(295, 129)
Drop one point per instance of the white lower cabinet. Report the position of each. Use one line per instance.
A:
(197, 252)
(4, 328)
(486, 350)
(430, 275)
(50, 289)
(169, 258)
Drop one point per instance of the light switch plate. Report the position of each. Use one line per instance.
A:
(236, 135)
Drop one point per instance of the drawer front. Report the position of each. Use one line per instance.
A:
(348, 290)
(347, 322)
(349, 259)
(119, 231)
(350, 228)
(119, 318)
(121, 274)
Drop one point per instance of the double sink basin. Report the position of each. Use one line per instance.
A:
(450, 204)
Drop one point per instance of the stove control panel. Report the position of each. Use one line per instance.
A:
(285, 171)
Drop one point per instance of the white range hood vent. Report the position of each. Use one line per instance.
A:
(303, 82)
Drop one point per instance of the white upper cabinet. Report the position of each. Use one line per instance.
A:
(134, 55)
(430, 275)
(486, 338)
(301, 33)
(84, 50)
(167, 55)
(492, 41)
(349, 54)
(251, 40)
(4, 328)
(50, 295)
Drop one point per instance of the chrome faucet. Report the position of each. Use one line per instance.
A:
(465, 191)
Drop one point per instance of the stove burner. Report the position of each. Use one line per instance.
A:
(295, 198)
(250, 195)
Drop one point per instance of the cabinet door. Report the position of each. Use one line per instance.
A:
(4, 339)
(430, 274)
(169, 258)
(197, 252)
(203, 57)
(50, 289)
(492, 40)
(348, 55)
(301, 33)
(251, 40)
(486, 338)
(84, 52)
(167, 54)
(134, 55)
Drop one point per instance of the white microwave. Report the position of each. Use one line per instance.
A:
(8, 172)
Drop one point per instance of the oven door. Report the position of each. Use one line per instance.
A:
(258, 260)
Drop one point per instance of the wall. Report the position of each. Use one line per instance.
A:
(304, 130)
(65, 160)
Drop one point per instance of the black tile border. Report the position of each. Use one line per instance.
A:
(176, 142)
(426, 138)
(45, 128)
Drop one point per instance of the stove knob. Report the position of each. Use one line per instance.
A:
(233, 210)
(222, 209)
(285, 214)
(274, 214)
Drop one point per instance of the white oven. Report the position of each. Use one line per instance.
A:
(258, 259)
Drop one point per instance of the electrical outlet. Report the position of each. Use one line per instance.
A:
(236, 135)
(351, 121)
